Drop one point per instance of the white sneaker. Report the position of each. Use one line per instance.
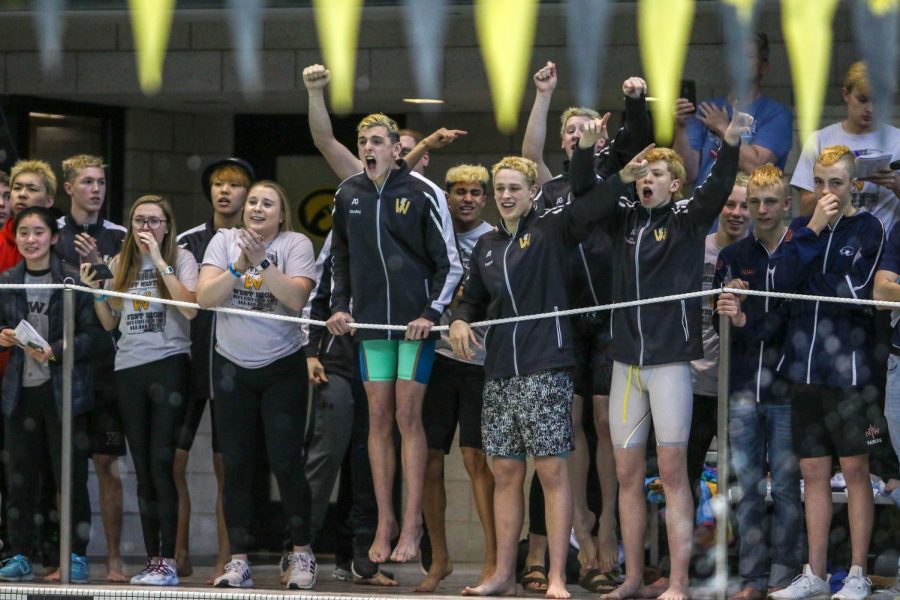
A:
(237, 574)
(162, 574)
(805, 585)
(303, 571)
(151, 565)
(856, 586)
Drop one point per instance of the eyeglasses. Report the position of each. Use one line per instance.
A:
(152, 223)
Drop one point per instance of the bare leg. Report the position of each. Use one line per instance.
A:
(679, 517)
(183, 535)
(860, 506)
(381, 456)
(607, 544)
(434, 507)
(414, 452)
(483, 491)
(224, 553)
(555, 480)
(630, 472)
(509, 513)
(107, 469)
(817, 490)
(583, 518)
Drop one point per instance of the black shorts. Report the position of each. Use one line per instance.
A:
(192, 417)
(104, 421)
(453, 396)
(593, 366)
(829, 420)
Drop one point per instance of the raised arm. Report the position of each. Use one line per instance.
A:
(536, 130)
(439, 139)
(341, 160)
(684, 111)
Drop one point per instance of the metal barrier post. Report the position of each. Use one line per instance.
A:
(722, 459)
(65, 492)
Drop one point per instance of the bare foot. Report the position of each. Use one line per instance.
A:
(493, 587)
(557, 589)
(378, 579)
(407, 547)
(587, 551)
(628, 589)
(674, 592)
(115, 573)
(52, 575)
(607, 545)
(436, 573)
(218, 571)
(486, 571)
(183, 566)
(656, 588)
(380, 550)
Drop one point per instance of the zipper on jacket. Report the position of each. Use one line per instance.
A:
(512, 299)
(427, 290)
(587, 273)
(812, 341)
(387, 279)
(558, 330)
(684, 323)
(637, 283)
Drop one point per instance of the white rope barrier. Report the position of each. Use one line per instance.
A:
(487, 323)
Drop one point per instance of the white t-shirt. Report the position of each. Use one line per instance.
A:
(878, 200)
(465, 242)
(152, 331)
(249, 341)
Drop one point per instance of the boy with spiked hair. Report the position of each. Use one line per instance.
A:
(828, 357)
(760, 410)
(394, 260)
(85, 236)
(659, 247)
(454, 393)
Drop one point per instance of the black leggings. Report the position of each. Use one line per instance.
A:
(33, 429)
(271, 400)
(152, 404)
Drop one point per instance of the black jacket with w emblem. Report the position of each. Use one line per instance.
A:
(393, 251)
(525, 274)
(658, 252)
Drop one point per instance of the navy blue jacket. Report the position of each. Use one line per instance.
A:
(755, 347)
(405, 262)
(658, 252)
(523, 274)
(88, 337)
(335, 352)
(829, 343)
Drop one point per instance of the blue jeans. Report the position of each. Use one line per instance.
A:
(760, 431)
(892, 401)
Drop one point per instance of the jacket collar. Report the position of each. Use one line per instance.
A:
(524, 223)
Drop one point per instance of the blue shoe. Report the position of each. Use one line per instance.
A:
(80, 571)
(17, 568)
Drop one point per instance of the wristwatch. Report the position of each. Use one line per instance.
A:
(169, 270)
(265, 264)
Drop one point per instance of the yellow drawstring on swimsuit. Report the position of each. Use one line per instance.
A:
(631, 369)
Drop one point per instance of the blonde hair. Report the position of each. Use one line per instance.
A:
(38, 167)
(382, 120)
(673, 163)
(767, 175)
(285, 224)
(831, 155)
(467, 174)
(75, 164)
(741, 179)
(230, 173)
(857, 78)
(575, 111)
(526, 167)
(127, 263)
